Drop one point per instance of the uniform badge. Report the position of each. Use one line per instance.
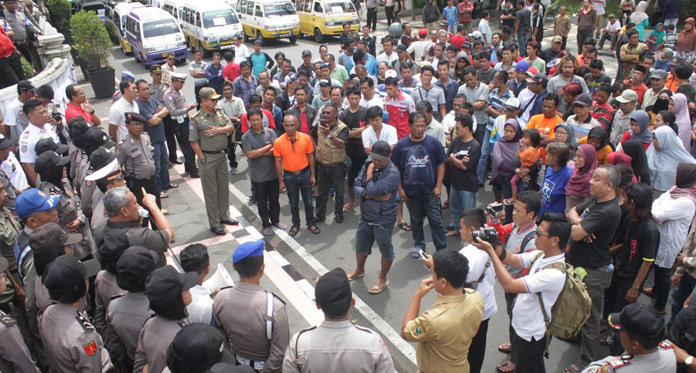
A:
(191, 127)
(418, 330)
(91, 348)
(8, 233)
(14, 167)
(24, 148)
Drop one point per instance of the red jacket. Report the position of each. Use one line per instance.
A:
(6, 46)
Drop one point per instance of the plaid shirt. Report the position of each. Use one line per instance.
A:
(689, 266)
(604, 114)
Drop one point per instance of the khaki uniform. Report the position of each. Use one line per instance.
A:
(11, 192)
(241, 312)
(72, 342)
(68, 211)
(153, 342)
(214, 176)
(14, 354)
(158, 93)
(337, 346)
(662, 360)
(9, 229)
(445, 331)
(139, 166)
(127, 314)
(105, 289)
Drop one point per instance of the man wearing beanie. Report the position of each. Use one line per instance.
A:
(337, 344)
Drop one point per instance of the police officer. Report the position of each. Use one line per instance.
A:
(135, 154)
(255, 321)
(337, 344)
(105, 173)
(197, 347)
(642, 331)
(179, 119)
(5, 149)
(14, 354)
(51, 167)
(9, 229)
(208, 136)
(94, 138)
(71, 341)
(78, 126)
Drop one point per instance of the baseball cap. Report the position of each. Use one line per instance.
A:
(674, 61)
(156, 69)
(32, 200)
(208, 92)
(292, 78)
(324, 82)
(306, 53)
(48, 144)
(25, 85)
(422, 32)
(333, 292)
(658, 74)
(134, 117)
(248, 250)
(51, 236)
(401, 48)
(98, 137)
(628, 95)
(522, 66)
(639, 320)
(380, 151)
(78, 129)
(512, 103)
(197, 345)
(466, 45)
(104, 165)
(48, 160)
(583, 99)
(5, 142)
(390, 73)
(166, 283)
(137, 262)
(65, 272)
(557, 39)
(539, 78)
(531, 71)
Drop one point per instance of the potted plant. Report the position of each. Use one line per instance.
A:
(60, 11)
(91, 40)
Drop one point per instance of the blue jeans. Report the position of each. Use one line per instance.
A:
(419, 207)
(295, 185)
(522, 38)
(367, 234)
(483, 161)
(460, 200)
(161, 164)
(679, 295)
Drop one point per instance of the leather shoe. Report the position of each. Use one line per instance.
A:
(230, 221)
(339, 218)
(176, 161)
(219, 230)
(195, 175)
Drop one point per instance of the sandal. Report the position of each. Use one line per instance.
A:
(573, 369)
(405, 227)
(293, 231)
(352, 276)
(314, 229)
(506, 367)
(267, 231)
(452, 234)
(378, 289)
(505, 348)
(650, 292)
(280, 226)
(348, 207)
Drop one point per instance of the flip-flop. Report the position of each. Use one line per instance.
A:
(415, 254)
(405, 227)
(573, 369)
(349, 208)
(352, 276)
(505, 348)
(293, 231)
(376, 289)
(267, 231)
(506, 367)
(281, 226)
(649, 292)
(314, 229)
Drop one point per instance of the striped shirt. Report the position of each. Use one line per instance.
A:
(496, 101)
(604, 114)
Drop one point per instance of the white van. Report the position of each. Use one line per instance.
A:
(116, 14)
(209, 25)
(268, 19)
(154, 35)
(173, 7)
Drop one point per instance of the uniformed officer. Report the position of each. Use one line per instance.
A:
(208, 135)
(94, 138)
(135, 156)
(51, 167)
(9, 229)
(105, 173)
(178, 118)
(71, 341)
(642, 331)
(5, 149)
(337, 344)
(78, 126)
(157, 87)
(14, 354)
(197, 347)
(115, 243)
(255, 321)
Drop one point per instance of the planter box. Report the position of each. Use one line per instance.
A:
(102, 82)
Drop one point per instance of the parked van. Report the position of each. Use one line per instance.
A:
(209, 25)
(173, 7)
(326, 17)
(116, 14)
(154, 35)
(268, 19)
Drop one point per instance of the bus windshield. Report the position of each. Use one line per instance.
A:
(339, 7)
(219, 18)
(160, 28)
(281, 8)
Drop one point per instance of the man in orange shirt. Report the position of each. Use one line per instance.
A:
(546, 122)
(294, 159)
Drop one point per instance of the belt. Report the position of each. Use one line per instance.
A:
(257, 365)
(215, 152)
(296, 173)
(132, 177)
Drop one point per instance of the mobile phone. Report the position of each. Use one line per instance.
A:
(423, 254)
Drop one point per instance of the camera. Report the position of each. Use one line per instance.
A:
(461, 154)
(487, 234)
(56, 117)
(494, 208)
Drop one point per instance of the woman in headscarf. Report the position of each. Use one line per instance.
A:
(565, 133)
(679, 105)
(556, 177)
(656, 37)
(578, 188)
(664, 155)
(639, 162)
(640, 19)
(599, 139)
(639, 129)
(686, 40)
(661, 103)
(505, 161)
(673, 212)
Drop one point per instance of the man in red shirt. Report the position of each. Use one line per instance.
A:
(232, 70)
(79, 105)
(10, 66)
(635, 81)
(460, 37)
(398, 105)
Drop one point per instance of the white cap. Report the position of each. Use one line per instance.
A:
(512, 103)
(390, 74)
(103, 172)
(178, 76)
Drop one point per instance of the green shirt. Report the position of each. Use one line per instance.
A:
(204, 122)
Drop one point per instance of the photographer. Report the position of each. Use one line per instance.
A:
(528, 323)
(517, 237)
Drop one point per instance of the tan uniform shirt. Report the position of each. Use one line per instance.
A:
(68, 211)
(241, 312)
(153, 342)
(203, 122)
(105, 289)
(72, 343)
(9, 229)
(14, 354)
(136, 157)
(127, 315)
(337, 346)
(444, 332)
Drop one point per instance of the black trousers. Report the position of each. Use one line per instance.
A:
(182, 136)
(529, 356)
(231, 156)
(196, 90)
(267, 194)
(389, 11)
(23, 48)
(151, 187)
(169, 129)
(372, 18)
(327, 176)
(11, 70)
(477, 351)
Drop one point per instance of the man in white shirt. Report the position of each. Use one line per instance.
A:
(369, 98)
(528, 323)
(420, 48)
(484, 28)
(388, 55)
(194, 258)
(15, 120)
(377, 131)
(126, 104)
(611, 32)
(241, 52)
(38, 129)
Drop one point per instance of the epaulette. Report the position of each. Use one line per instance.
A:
(83, 319)
(305, 330)
(666, 345)
(364, 329)
(54, 191)
(117, 296)
(624, 360)
(225, 287)
(7, 319)
(279, 298)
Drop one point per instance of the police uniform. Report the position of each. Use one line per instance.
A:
(9, 229)
(158, 92)
(179, 120)
(214, 176)
(5, 178)
(28, 139)
(103, 166)
(256, 322)
(96, 138)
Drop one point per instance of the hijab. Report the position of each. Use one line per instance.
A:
(571, 141)
(687, 39)
(661, 103)
(686, 178)
(506, 150)
(600, 134)
(659, 35)
(640, 15)
(639, 162)
(643, 119)
(579, 183)
(681, 111)
(616, 158)
(663, 161)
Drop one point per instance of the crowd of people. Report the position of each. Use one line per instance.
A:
(588, 170)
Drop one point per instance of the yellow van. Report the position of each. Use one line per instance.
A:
(322, 18)
(267, 19)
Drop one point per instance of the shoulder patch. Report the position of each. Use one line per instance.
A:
(7, 319)
(619, 363)
(91, 348)
(666, 344)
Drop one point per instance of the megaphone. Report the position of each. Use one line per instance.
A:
(220, 279)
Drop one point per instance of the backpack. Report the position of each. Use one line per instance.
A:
(572, 308)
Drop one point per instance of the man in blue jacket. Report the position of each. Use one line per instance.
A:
(377, 186)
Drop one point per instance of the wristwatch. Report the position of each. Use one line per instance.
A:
(330, 136)
(203, 160)
(688, 361)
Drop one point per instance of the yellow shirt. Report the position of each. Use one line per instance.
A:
(444, 332)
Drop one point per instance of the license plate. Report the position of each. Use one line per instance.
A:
(227, 47)
(165, 55)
